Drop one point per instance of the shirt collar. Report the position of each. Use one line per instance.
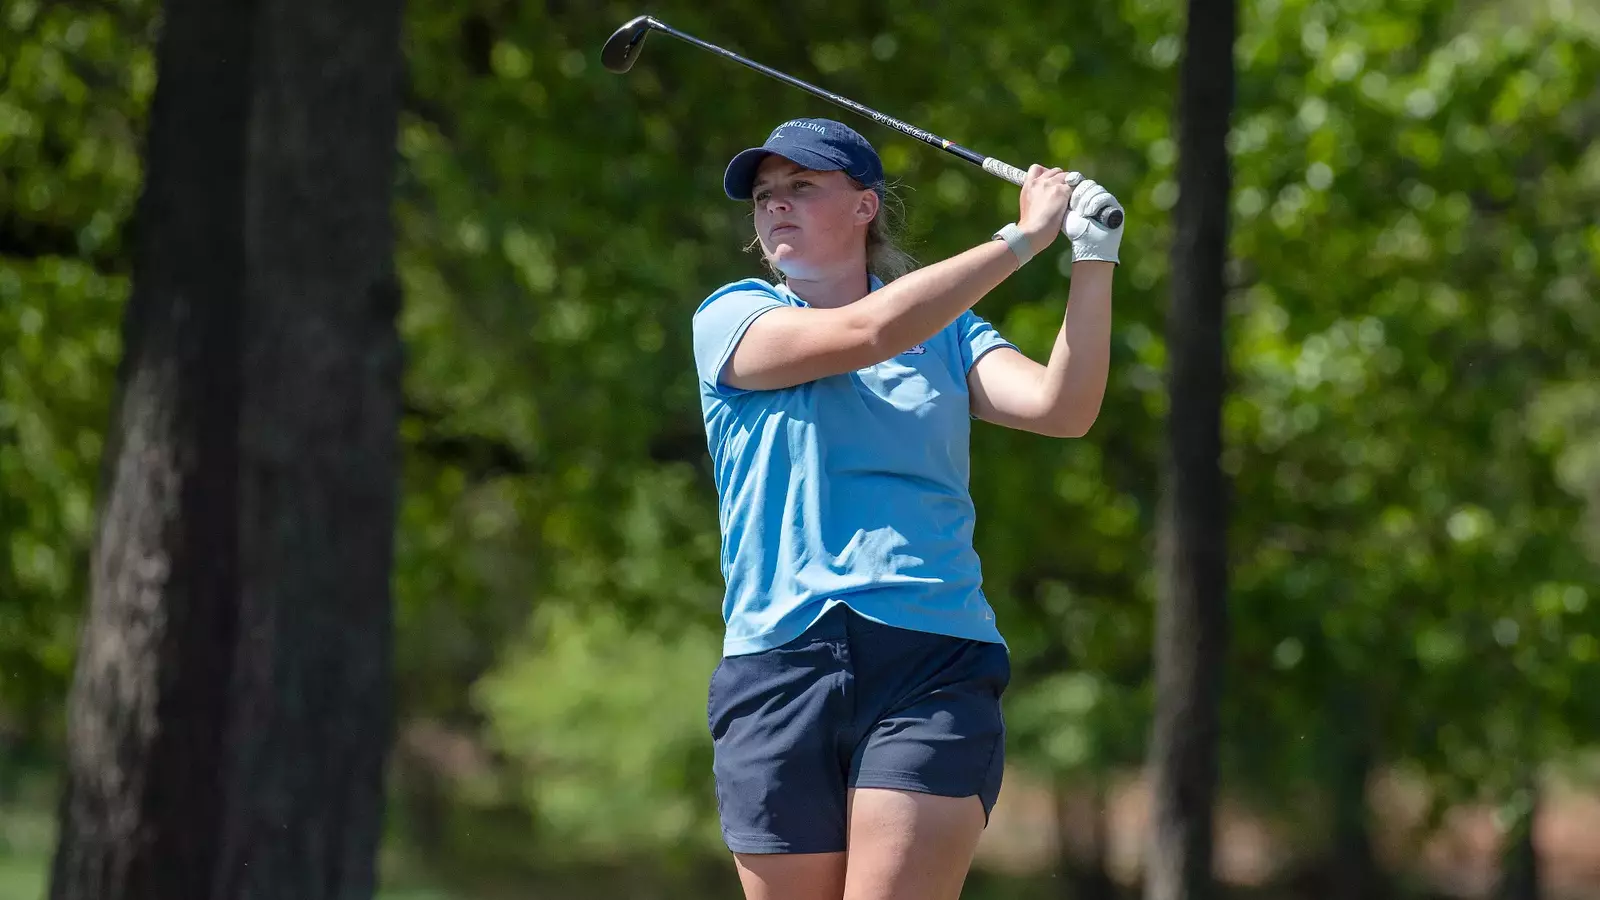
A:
(873, 283)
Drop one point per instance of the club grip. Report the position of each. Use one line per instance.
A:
(1004, 170)
(1111, 217)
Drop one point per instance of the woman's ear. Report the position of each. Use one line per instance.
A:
(867, 209)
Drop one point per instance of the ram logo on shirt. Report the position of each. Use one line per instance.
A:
(917, 350)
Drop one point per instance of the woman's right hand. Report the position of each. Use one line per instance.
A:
(1042, 207)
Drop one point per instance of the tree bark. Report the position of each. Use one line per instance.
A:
(230, 711)
(1191, 615)
(1092, 881)
(1355, 872)
(1519, 877)
(143, 786)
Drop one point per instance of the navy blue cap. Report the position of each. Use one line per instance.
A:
(821, 145)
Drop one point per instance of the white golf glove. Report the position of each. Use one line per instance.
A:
(1090, 239)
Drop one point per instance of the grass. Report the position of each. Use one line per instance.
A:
(27, 836)
(23, 877)
(27, 839)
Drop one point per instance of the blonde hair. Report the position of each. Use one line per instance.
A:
(885, 257)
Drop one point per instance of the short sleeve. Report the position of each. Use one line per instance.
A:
(721, 321)
(976, 337)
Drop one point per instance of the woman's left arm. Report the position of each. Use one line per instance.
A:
(1061, 398)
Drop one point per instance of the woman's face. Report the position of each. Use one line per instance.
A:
(811, 224)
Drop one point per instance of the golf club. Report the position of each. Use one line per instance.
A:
(622, 51)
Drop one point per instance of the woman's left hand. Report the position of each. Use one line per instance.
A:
(1090, 239)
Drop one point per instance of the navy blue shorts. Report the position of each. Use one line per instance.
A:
(851, 703)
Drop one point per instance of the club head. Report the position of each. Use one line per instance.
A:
(622, 48)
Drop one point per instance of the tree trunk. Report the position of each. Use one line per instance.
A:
(143, 785)
(1191, 615)
(1355, 874)
(1092, 882)
(1519, 878)
(230, 711)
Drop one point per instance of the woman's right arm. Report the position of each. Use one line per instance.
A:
(792, 345)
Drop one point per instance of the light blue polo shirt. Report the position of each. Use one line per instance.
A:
(850, 488)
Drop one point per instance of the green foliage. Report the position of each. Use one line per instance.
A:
(608, 724)
(1402, 182)
(1414, 282)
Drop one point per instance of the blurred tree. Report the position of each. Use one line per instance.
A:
(1519, 877)
(230, 710)
(1191, 615)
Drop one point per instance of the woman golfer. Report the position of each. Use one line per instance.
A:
(856, 709)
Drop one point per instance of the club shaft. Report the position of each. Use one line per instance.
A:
(1110, 217)
(890, 121)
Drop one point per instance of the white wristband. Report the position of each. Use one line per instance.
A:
(1017, 241)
